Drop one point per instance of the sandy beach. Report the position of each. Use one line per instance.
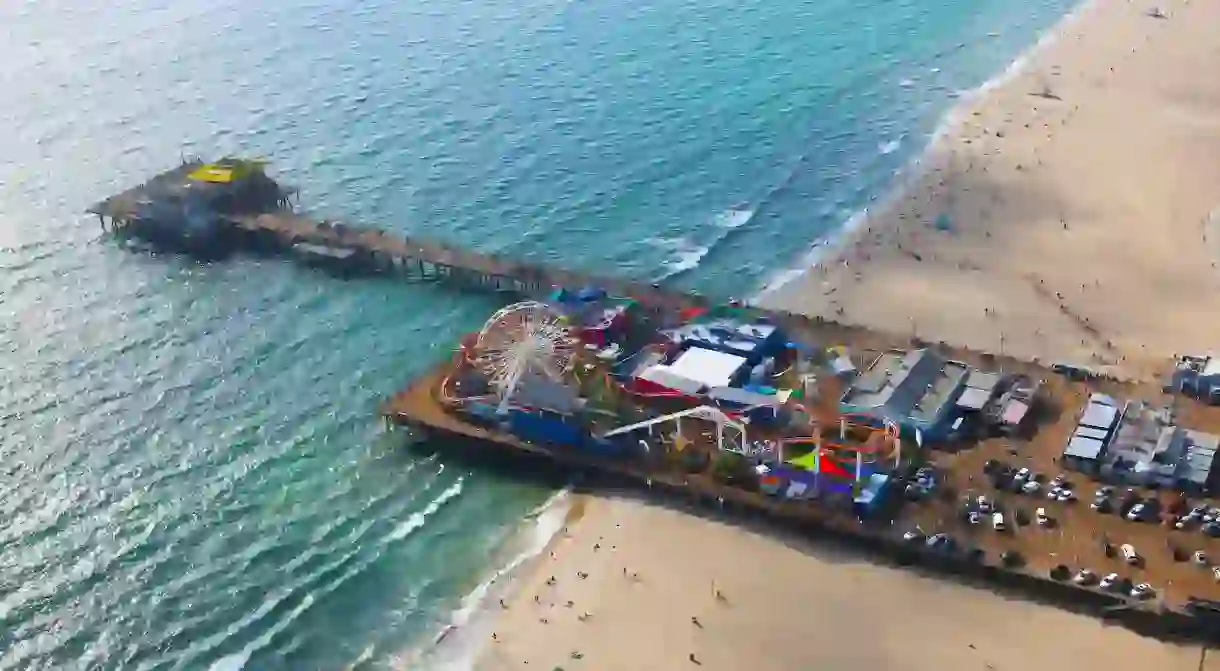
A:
(1068, 216)
(631, 586)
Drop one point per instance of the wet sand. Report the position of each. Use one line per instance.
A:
(782, 606)
(1066, 218)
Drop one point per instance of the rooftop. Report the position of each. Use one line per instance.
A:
(708, 367)
(191, 179)
(983, 380)
(1201, 364)
(324, 251)
(974, 398)
(1148, 442)
(916, 383)
(1084, 448)
(728, 334)
(1100, 413)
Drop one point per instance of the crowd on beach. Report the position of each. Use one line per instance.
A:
(632, 586)
(1022, 231)
(550, 600)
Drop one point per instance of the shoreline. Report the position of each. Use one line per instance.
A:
(1079, 186)
(460, 640)
(830, 248)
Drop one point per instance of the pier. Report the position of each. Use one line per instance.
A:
(211, 210)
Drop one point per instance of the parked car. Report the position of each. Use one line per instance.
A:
(1084, 577)
(1200, 558)
(1142, 591)
(1030, 487)
(1137, 512)
(1041, 517)
(1129, 554)
(1109, 581)
(997, 521)
(942, 543)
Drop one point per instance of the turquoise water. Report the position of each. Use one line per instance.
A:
(191, 470)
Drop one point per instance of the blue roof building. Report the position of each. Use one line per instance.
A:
(1197, 376)
(754, 341)
(915, 389)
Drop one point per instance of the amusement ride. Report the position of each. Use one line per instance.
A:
(523, 340)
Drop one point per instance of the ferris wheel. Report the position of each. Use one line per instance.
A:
(522, 340)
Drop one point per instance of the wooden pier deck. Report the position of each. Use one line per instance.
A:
(172, 182)
(422, 259)
(247, 210)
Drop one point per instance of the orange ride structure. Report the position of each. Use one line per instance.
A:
(845, 449)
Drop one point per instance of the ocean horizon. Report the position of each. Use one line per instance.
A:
(192, 469)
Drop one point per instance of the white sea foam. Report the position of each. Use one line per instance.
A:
(457, 645)
(686, 254)
(907, 175)
(237, 661)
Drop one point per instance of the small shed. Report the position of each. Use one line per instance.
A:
(1015, 412)
(1083, 454)
(973, 399)
(1099, 416)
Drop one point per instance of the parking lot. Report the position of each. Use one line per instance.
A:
(1075, 536)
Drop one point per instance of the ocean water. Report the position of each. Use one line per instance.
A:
(192, 473)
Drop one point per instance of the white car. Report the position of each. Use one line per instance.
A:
(1066, 495)
(1022, 474)
(1058, 482)
(983, 504)
(1136, 513)
(1142, 591)
(1040, 516)
(1216, 573)
(1031, 487)
(1053, 494)
(997, 521)
(975, 518)
(1109, 581)
(1129, 554)
(1200, 558)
